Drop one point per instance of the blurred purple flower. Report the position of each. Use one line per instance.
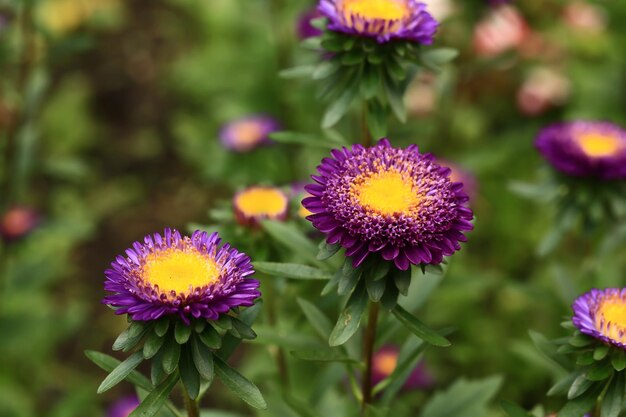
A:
(248, 133)
(123, 407)
(384, 362)
(304, 28)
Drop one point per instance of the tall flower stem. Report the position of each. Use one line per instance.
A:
(190, 405)
(369, 339)
(281, 361)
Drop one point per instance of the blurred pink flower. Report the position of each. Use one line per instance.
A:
(543, 89)
(504, 28)
(583, 16)
(17, 222)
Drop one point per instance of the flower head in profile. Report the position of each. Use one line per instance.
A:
(260, 203)
(248, 133)
(390, 201)
(385, 361)
(17, 222)
(601, 314)
(123, 407)
(189, 277)
(585, 149)
(384, 20)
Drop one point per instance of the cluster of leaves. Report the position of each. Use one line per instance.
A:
(193, 354)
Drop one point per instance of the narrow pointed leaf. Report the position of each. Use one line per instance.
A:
(109, 363)
(316, 318)
(239, 385)
(614, 397)
(121, 372)
(211, 338)
(294, 271)
(418, 328)
(350, 318)
(188, 374)
(151, 405)
(129, 338)
(203, 359)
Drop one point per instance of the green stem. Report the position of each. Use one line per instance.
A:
(190, 405)
(369, 338)
(281, 360)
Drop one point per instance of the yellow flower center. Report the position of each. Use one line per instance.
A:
(385, 192)
(180, 270)
(598, 145)
(386, 363)
(375, 9)
(258, 201)
(610, 318)
(247, 132)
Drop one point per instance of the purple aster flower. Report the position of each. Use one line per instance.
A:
(305, 29)
(18, 222)
(384, 362)
(395, 202)
(248, 133)
(585, 148)
(185, 276)
(123, 407)
(602, 314)
(260, 203)
(384, 20)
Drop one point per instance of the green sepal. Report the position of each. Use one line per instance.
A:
(130, 337)
(375, 288)
(243, 330)
(202, 359)
(580, 340)
(600, 371)
(600, 352)
(152, 345)
(585, 358)
(199, 325)
(223, 322)
(580, 385)
(376, 118)
(370, 83)
(211, 338)
(239, 385)
(161, 327)
(171, 355)
(326, 250)
(188, 373)
(402, 279)
(353, 57)
(350, 318)
(325, 69)
(157, 374)
(349, 278)
(182, 332)
(618, 359)
(390, 298)
(581, 405)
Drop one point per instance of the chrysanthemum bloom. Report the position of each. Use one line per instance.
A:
(462, 175)
(123, 407)
(394, 202)
(248, 133)
(183, 276)
(17, 222)
(384, 362)
(503, 29)
(383, 20)
(585, 149)
(260, 203)
(304, 28)
(602, 314)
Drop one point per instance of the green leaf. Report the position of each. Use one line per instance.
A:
(244, 331)
(377, 119)
(292, 238)
(297, 72)
(418, 328)
(171, 355)
(109, 363)
(580, 385)
(349, 278)
(182, 332)
(325, 69)
(203, 359)
(618, 359)
(371, 411)
(434, 58)
(152, 345)
(223, 322)
(189, 374)
(334, 282)
(395, 99)
(161, 327)
(326, 250)
(129, 338)
(316, 318)
(580, 406)
(151, 405)
(390, 298)
(297, 138)
(199, 325)
(375, 288)
(600, 372)
(463, 398)
(239, 385)
(350, 318)
(211, 338)
(580, 340)
(294, 271)
(157, 374)
(121, 372)
(562, 386)
(600, 352)
(370, 83)
(323, 355)
(339, 107)
(513, 410)
(614, 397)
(229, 342)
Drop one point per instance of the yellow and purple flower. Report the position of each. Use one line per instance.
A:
(601, 314)
(385, 361)
(390, 201)
(248, 133)
(258, 203)
(585, 149)
(384, 20)
(181, 276)
(123, 407)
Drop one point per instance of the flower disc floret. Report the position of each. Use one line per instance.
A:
(391, 201)
(383, 20)
(602, 314)
(585, 149)
(184, 276)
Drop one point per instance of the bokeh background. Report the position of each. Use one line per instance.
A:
(109, 119)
